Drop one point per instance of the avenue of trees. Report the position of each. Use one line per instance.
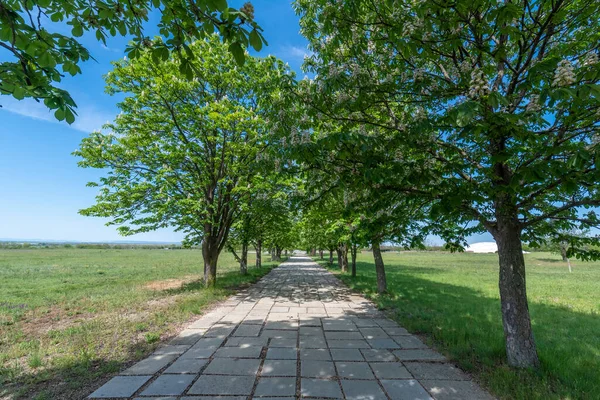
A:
(416, 118)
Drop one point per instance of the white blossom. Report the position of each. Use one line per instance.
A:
(591, 58)
(564, 74)
(478, 86)
(534, 103)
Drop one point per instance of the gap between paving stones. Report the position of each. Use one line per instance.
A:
(298, 332)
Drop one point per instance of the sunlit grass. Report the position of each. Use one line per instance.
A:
(453, 301)
(72, 316)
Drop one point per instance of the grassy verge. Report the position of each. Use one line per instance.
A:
(452, 300)
(71, 317)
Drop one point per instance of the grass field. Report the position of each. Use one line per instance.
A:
(452, 300)
(71, 317)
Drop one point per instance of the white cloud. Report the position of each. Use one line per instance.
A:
(88, 118)
(294, 52)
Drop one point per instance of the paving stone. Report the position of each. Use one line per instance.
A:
(207, 398)
(120, 386)
(168, 385)
(383, 344)
(229, 366)
(419, 355)
(247, 342)
(365, 323)
(348, 344)
(282, 325)
(220, 330)
(374, 333)
(354, 370)
(339, 326)
(188, 336)
(279, 368)
(275, 387)
(343, 335)
(346, 355)
(282, 353)
(320, 388)
(390, 370)
(223, 385)
(204, 323)
(186, 366)
(208, 343)
(405, 389)
(385, 322)
(317, 369)
(409, 342)
(238, 352)
(377, 355)
(310, 321)
(150, 365)
(307, 342)
(311, 331)
(282, 342)
(395, 331)
(172, 349)
(455, 390)
(315, 354)
(422, 370)
(247, 330)
(270, 333)
(364, 390)
(198, 353)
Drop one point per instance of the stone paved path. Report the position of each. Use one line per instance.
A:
(298, 332)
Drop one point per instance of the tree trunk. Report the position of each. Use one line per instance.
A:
(379, 268)
(258, 249)
(313, 252)
(353, 252)
(338, 251)
(520, 344)
(321, 254)
(563, 252)
(330, 257)
(286, 252)
(244, 259)
(276, 254)
(344, 254)
(210, 255)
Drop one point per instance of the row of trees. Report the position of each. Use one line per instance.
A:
(193, 154)
(455, 118)
(421, 118)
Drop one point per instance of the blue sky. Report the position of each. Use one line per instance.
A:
(41, 187)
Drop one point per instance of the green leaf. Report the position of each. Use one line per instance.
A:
(19, 93)
(59, 114)
(255, 40)
(77, 30)
(238, 53)
(69, 116)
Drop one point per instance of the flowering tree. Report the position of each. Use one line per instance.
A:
(183, 153)
(37, 54)
(495, 104)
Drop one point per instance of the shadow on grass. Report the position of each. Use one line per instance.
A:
(77, 376)
(466, 325)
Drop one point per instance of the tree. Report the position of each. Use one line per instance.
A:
(182, 153)
(496, 104)
(41, 55)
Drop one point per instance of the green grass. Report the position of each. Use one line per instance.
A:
(452, 300)
(71, 317)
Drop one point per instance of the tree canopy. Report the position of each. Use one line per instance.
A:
(183, 153)
(495, 106)
(40, 54)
